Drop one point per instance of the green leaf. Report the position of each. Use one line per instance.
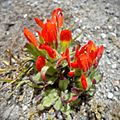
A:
(52, 79)
(34, 85)
(47, 102)
(78, 72)
(97, 77)
(68, 115)
(41, 39)
(63, 84)
(78, 84)
(64, 45)
(51, 75)
(67, 95)
(33, 50)
(37, 78)
(89, 83)
(51, 93)
(91, 91)
(58, 104)
(92, 73)
(51, 71)
(50, 98)
(67, 111)
(44, 69)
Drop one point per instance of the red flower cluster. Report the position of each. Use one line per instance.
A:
(87, 56)
(50, 34)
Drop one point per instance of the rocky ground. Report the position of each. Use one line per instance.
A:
(98, 19)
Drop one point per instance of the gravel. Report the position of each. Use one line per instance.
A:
(98, 19)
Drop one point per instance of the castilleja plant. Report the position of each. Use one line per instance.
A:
(63, 70)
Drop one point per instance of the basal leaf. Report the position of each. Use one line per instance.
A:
(50, 99)
(58, 104)
(47, 102)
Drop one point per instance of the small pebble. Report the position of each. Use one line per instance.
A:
(110, 95)
(25, 108)
(25, 15)
(110, 27)
(114, 66)
(97, 27)
(103, 35)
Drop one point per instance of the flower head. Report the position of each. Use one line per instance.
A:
(86, 55)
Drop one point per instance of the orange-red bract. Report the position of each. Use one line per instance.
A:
(51, 52)
(30, 36)
(40, 63)
(84, 62)
(39, 22)
(49, 33)
(84, 82)
(74, 64)
(57, 17)
(71, 73)
(100, 51)
(65, 35)
(67, 56)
